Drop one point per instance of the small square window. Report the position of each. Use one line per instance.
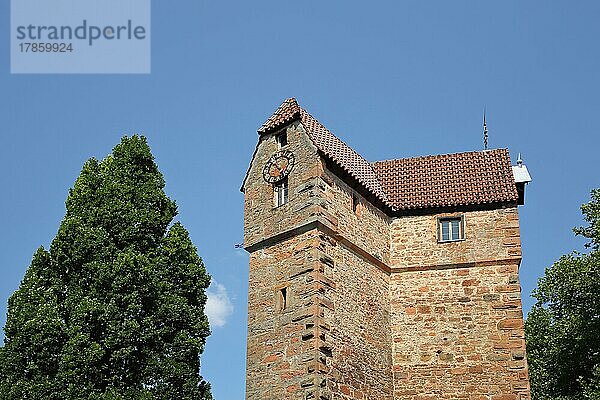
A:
(451, 229)
(280, 191)
(281, 139)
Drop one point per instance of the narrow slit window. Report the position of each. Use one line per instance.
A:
(354, 203)
(451, 229)
(283, 298)
(281, 139)
(281, 190)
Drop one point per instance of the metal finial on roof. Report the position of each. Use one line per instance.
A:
(519, 160)
(485, 132)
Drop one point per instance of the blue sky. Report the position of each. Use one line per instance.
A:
(391, 78)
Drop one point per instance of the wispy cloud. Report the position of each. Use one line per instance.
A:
(218, 305)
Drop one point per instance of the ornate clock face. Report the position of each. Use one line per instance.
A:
(278, 166)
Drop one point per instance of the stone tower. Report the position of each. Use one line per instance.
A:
(388, 280)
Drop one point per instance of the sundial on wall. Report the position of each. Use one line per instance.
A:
(278, 166)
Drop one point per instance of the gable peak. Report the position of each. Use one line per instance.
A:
(287, 112)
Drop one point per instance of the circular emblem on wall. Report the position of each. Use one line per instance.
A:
(278, 166)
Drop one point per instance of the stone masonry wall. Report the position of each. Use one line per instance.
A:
(261, 218)
(330, 338)
(456, 316)
(458, 334)
(286, 353)
(287, 349)
(360, 336)
(490, 235)
(333, 339)
(368, 227)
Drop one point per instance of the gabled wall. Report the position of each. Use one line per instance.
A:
(283, 336)
(262, 219)
(333, 339)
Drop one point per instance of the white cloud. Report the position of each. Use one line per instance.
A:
(218, 305)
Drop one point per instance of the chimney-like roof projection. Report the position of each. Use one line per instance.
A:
(439, 181)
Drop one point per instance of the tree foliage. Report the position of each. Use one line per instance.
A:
(115, 308)
(563, 327)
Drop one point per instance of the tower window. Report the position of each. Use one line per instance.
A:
(451, 229)
(281, 139)
(283, 300)
(280, 190)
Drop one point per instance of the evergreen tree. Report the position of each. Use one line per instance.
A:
(115, 308)
(563, 327)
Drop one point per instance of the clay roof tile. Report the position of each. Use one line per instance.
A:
(447, 180)
(478, 177)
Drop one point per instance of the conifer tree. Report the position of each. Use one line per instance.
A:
(114, 309)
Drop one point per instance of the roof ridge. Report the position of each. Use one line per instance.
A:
(440, 155)
(287, 112)
(372, 183)
(346, 144)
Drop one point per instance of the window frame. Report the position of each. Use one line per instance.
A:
(461, 228)
(278, 139)
(281, 192)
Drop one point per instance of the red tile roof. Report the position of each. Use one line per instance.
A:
(330, 145)
(449, 180)
(343, 155)
(287, 112)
